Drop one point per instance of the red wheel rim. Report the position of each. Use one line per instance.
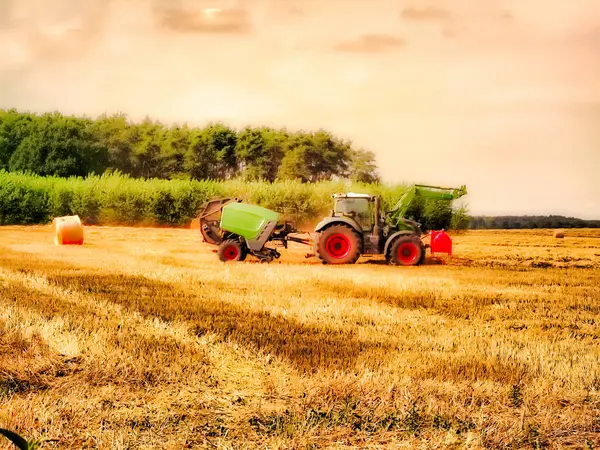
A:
(231, 252)
(338, 245)
(408, 253)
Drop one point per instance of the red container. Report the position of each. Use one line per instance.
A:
(440, 242)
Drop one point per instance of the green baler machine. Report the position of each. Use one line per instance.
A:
(240, 229)
(248, 221)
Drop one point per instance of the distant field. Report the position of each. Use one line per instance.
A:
(143, 339)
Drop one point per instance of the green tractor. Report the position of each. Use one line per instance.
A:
(355, 227)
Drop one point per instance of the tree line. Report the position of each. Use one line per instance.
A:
(53, 144)
(529, 222)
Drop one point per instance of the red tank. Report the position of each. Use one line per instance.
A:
(440, 242)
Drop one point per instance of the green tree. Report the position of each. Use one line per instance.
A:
(211, 153)
(460, 219)
(224, 140)
(118, 136)
(65, 145)
(62, 146)
(14, 127)
(312, 157)
(362, 167)
(259, 152)
(200, 160)
(175, 146)
(148, 140)
(293, 165)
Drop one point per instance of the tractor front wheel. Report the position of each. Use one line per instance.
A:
(232, 250)
(338, 244)
(406, 251)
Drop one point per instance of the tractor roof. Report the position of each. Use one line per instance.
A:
(352, 195)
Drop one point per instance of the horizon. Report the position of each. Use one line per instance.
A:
(503, 97)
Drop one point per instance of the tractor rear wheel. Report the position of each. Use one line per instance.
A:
(338, 244)
(232, 250)
(406, 251)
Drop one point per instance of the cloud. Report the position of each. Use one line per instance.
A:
(210, 20)
(5, 12)
(371, 43)
(427, 13)
(295, 10)
(587, 37)
(36, 36)
(449, 32)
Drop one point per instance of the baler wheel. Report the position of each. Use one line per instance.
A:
(338, 244)
(406, 251)
(232, 250)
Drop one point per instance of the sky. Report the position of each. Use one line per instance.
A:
(500, 95)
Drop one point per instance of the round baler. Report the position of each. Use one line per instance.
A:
(240, 229)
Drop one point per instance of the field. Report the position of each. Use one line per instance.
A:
(142, 339)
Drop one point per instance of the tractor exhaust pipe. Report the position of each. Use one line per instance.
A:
(377, 226)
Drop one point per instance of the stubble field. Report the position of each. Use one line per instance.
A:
(143, 339)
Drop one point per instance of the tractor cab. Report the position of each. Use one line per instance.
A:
(359, 207)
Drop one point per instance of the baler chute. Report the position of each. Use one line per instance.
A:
(210, 219)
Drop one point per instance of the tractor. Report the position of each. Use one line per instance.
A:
(355, 227)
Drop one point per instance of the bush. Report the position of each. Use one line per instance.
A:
(116, 199)
(23, 200)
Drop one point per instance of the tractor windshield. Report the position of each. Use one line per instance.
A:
(359, 209)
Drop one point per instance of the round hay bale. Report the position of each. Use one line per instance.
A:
(559, 234)
(68, 230)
